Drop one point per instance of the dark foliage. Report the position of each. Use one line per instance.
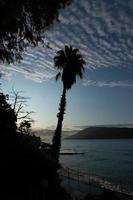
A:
(25, 126)
(89, 197)
(27, 170)
(110, 195)
(7, 116)
(58, 194)
(24, 22)
(70, 64)
(105, 195)
(24, 165)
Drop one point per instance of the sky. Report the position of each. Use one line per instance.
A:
(103, 32)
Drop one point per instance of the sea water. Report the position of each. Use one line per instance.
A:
(110, 159)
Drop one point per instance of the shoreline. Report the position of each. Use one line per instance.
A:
(91, 182)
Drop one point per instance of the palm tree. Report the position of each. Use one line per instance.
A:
(70, 64)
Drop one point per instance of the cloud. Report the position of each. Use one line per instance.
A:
(36, 66)
(99, 31)
(102, 30)
(5, 73)
(110, 84)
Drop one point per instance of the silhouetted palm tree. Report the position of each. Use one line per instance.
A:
(70, 63)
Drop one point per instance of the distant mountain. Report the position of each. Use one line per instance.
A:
(103, 133)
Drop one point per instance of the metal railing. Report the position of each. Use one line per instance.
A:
(94, 180)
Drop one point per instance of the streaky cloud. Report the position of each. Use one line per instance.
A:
(102, 30)
(110, 84)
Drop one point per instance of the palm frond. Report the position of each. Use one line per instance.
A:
(71, 64)
(75, 51)
(58, 76)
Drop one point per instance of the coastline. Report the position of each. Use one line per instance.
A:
(81, 183)
(111, 159)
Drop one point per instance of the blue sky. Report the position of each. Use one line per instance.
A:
(103, 31)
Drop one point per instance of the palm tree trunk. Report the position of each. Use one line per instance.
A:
(57, 135)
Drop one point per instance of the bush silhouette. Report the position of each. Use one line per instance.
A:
(7, 115)
(26, 162)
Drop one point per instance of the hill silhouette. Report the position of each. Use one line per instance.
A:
(103, 133)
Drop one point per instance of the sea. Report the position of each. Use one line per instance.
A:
(110, 159)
